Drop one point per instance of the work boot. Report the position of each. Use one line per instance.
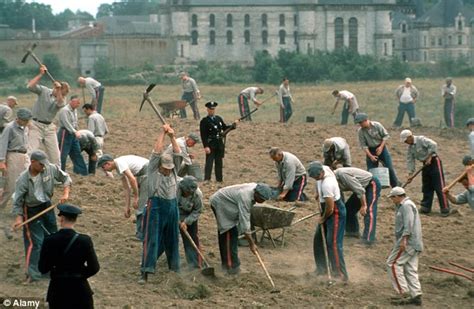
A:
(445, 213)
(352, 234)
(416, 301)
(233, 271)
(424, 210)
(143, 278)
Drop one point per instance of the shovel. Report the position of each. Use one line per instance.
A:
(413, 177)
(274, 290)
(207, 270)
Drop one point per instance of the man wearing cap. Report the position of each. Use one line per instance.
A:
(245, 95)
(133, 172)
(286, 99)
(372, 139)
(70, 259)
(68, 137)
(407, 95)
(49, 102)
(89, 145)
(97, 125)
(291, 175)
(190, 94)
(232, 207)
(185, 158)
(190, 207)
(33, 193)
(336, 151)
(403, 259)
(6, 112)
(366, 191)
(470, 126)
(432, 176)
(448, 92)
(351, 106)
(212, 128)
(161, 219)
(95, 89)
(333, 218)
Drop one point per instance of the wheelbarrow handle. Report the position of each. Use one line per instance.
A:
(452, 272)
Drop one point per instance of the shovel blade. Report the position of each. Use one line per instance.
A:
(208, 271)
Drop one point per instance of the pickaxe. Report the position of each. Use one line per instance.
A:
(146, 97)
(30, 52)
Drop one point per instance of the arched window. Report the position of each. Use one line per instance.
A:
(229, 20)
(264, 20)
(212, 20)
(339, 32)
(282, 35)
(353, 34)
(295, 35)
(212, 37)
(404, 28)
(295, 20)
(229, 37)
(194, 37)
(459, 24)
(282, 20)
(194, 20)
(247, 37)
(264, 37)
(247, 20)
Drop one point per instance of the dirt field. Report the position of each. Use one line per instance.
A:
(115, 286)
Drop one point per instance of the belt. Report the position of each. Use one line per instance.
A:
(43, 122)
(17, 151)
(99, 136)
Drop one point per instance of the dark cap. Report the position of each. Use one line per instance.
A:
(24, 114)
(314, 169)
(69, 211)
(105, 158)
(360, 117)
(470, 121)
(264, 191)
(467, 160)
(211, 104)
(188, 184)
(39, 156)
(194, 137)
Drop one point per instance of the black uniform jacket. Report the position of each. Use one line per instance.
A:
(211, 133)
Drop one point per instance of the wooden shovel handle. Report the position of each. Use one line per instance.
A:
(195, 247)
(35, 216)
(264, 268)
(455, 181)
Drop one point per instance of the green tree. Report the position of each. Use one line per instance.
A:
(54, 65)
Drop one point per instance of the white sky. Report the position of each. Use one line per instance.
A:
(59, 6)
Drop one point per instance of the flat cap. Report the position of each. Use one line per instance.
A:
(40, 156)
(360, 117)
(396, 191)
(467, 160)
(314, 169)
(12, 98)
(327, 145)
(264, 191)
(69, 210)
(167, 161)
(404, 135)
(188, 184)
(105, 158)
(24, 114)
(211, 104)
(194, 137)
(470, 121)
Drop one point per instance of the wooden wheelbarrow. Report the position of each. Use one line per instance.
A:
(171, 108)
(456, 273)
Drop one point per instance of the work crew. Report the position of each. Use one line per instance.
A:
(372, 139)
(366, 191)
(95, 89)
(68, 137)
(336, 151)
(407, 95)
(291, 175)
(243, 98)
(161, 219)
(448, 92)
(232, 206)
(133, 172)
(350, 107)
(403, 259)
(70, 259)
(212, 128)
(466, 197)
(432, 176)
(333, 218)
(184, 159)
(190, 207)
(49, 102)
(6, 112)
(33, 193)
(191, 94)
(286, 100)
(89, 144)
(470, 126)
(97, 125)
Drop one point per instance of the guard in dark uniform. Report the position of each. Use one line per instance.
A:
(212, 128)
(71, 259)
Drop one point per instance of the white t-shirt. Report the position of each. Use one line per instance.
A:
(406, 95)
(328, 186)
(130, 162)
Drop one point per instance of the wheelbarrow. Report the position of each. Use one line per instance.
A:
(267, 217)
(171, 108)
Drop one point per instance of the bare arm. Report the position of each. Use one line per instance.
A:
(126, 191)
(329, 201)
(32, 83)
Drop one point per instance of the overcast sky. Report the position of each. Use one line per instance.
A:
(59, 6)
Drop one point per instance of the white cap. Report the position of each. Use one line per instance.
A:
(396, 191)
(404, 135)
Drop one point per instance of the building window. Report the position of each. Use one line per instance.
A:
(440, 41)
(385, 49)
(194, 37)
(212, 20)
(450, 40)
(404, 28)
(295, 35)
(229, 20)
(404, 42)
(425, 41)
(295, 20)
(181, 50)
(282, 35)
(282, 20)
(264, 20)
(459, 39)
(353, 34)
(460, 25)
(433, 41)
(212, 37)
(247, 20)
(247, 37)
(194, 20)
(404, 56)
(229, 37)
(425, 56)
(264, 37)
(339, 32)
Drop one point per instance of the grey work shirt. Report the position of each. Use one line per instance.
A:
(373, 135)
(31, 193)
(350, 100)
(289, 168)
(232, 206)
(91, 84)
(407, 223)
(183, 156)
(284, 92)
(353, 179)
(88, 141)
(448, 92)
(413, 91)
(467, 197)
(421, 149)
(13, 138)
(159, 184)
(250, 93)
(189, 207)
(341, 152)
(189, 85)
(68, 119)
(46, 106)
(97, 125)
(6, 115)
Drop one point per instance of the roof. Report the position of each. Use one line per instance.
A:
(443, 13)
(130, 25)
(398, 18)
(284, 2)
